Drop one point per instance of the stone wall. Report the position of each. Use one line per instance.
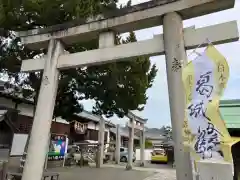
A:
(14, 162)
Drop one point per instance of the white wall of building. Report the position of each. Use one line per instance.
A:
(147, 154)
(18, 144)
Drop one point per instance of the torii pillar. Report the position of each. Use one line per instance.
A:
(101, 135)
(106, 39)
(142, 146)
(130, 143)
(118, 144)
(44, 111)
(175, 51)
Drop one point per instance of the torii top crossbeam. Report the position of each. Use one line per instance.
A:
(136, 17)
(138, 119)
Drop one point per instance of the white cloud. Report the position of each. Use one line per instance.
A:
(157, 107)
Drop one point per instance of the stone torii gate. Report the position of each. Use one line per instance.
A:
(134, 123)
(173, 43)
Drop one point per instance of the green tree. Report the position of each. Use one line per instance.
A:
(148, 144)
(167, 131)
(115, 87)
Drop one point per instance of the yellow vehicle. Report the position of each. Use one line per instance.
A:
(159, 155)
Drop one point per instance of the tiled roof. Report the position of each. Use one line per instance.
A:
(88, 115)
(230, 112)
(155, 134)
(230, 102)
(123, 132)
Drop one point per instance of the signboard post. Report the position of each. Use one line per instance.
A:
(66, 148)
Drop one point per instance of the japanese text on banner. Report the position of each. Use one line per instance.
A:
(204, 131)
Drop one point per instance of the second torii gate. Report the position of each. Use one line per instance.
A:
(135, 122)
(172, 43)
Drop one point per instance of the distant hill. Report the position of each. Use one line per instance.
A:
(155, 130)
(155, 133)
(150, 133)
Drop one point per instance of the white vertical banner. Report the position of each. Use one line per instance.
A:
(205, 79)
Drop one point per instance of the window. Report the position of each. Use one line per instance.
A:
(29, 127)
(21, 127)
(25, 128)
(159, 152)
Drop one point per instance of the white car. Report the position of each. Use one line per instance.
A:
(124, 155)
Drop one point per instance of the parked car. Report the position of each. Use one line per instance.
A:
(159, 155)
(124, 155)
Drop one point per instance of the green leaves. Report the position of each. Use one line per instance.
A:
(167, 131)
(116, 87)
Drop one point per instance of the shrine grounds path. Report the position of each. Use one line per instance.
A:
(114, 172)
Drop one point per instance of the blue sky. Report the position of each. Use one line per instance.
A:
(157, 108)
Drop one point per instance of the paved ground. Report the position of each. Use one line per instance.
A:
(162, 171)
(157, 166)
(117, 172)
(105, 173)
(161, 176)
